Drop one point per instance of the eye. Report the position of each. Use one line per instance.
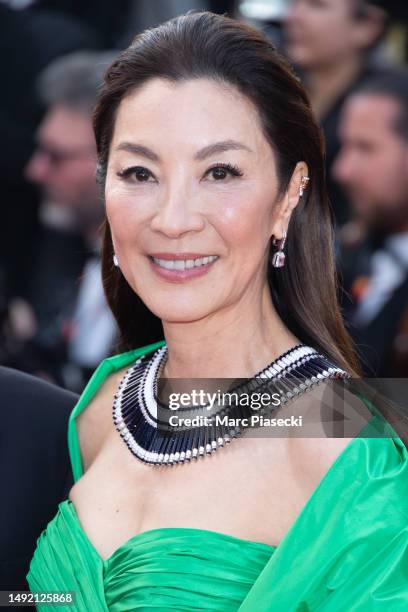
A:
(138, 173)
(221, 171)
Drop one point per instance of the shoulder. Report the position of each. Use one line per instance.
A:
(33, 437)
(333, 415)
(105, 381)
(312, 458)
(95, 422)
(379, 460)
(110, 372)
(28, 395)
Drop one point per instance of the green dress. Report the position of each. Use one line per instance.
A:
(347, 549)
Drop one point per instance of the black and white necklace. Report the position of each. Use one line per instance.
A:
(143, 421)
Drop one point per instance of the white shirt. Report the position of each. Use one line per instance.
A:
(387, 273)
(94, 326)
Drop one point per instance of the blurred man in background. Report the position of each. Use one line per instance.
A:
(372, 167)
(46, 34)
(65, 329)
(331, 42)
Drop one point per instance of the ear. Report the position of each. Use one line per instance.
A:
(285, 206)
(367, 30)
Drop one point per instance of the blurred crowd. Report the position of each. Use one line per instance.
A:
(351, 56)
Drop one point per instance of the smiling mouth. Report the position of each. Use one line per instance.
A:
(183, 264)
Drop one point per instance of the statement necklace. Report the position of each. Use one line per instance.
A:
(143, 421)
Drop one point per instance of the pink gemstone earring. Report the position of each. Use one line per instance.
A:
(278, 259)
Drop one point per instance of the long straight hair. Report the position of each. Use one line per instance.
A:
(205, 45)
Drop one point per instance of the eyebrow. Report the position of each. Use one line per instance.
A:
(212, 149)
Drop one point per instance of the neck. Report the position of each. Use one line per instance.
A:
(327, 82)
(401, 228)
(386, 227)
(235, 343)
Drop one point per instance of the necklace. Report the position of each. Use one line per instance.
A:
(144, 422)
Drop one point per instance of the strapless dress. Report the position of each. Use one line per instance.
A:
(347, 549)
(159, 569)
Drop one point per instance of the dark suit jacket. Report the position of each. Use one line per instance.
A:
(35, 472)
(375, 341)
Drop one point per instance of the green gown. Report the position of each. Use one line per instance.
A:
(346, 551)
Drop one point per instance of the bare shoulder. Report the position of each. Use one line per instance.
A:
(312, 458)
(333, 417)
(95, 421)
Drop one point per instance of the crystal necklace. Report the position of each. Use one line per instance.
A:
(143, 421)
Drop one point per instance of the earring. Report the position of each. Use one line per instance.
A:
(303, 185)
(278, 259)
(115, 260)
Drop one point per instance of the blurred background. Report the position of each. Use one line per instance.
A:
(351, 56)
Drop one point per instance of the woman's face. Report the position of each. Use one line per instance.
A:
(191, 196)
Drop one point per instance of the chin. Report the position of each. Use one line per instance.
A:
(179, 311)
(297, 53)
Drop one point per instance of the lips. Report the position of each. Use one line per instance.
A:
(184, 264)
(179, 267)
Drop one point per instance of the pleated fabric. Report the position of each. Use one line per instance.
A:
(160, 569)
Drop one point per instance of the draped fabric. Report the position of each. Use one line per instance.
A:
(159, 569)
(347, 549)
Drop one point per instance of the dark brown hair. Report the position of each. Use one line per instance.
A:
(205, 45)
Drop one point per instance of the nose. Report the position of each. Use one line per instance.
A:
(37, 168)
(177, 215)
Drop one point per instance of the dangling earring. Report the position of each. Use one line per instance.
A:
(278, 259)
(115, 261)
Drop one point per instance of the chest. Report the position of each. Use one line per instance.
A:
(236, 491)
(253, 488)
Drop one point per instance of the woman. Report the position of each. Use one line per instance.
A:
(332, 42)
(209, 157)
